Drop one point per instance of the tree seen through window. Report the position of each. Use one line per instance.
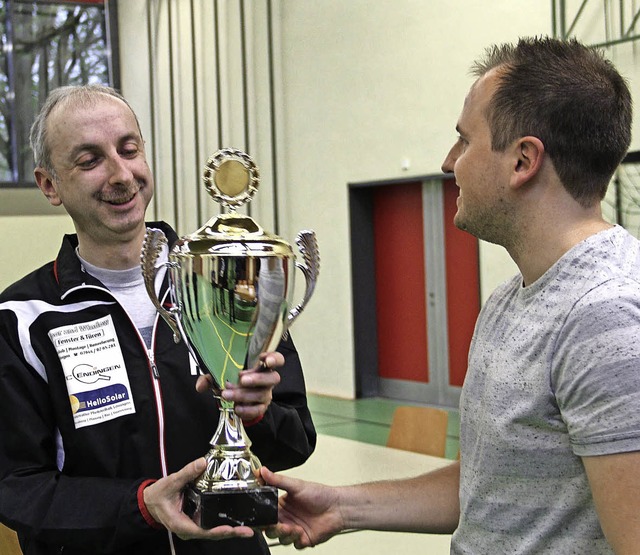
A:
(44, 45)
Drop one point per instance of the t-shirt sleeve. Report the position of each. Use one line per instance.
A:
(596, 371)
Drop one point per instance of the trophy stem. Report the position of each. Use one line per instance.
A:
(230, 462)
(230, 432)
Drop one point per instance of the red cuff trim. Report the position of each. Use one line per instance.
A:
(248, 423)
(143, 508)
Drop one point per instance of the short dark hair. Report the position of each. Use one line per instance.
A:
(84, 95)
(571, 98)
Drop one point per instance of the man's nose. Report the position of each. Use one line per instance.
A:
(449, 162)
(120, 172)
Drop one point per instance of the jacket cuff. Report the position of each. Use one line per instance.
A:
(253, 422)
(143, 508)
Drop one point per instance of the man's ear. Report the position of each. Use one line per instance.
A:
(529, 155)
(45, 182)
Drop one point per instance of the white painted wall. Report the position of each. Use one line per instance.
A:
(28, 243)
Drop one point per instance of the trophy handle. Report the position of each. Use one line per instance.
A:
(308, 247)
(154, 241)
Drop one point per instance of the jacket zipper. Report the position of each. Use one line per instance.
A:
(160, 408)
(155, 382)
(152, 361)
(158, 395)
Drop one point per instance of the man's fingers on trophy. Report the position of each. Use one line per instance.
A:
(285, 538)
(226, 532)
(204, 383)
(189, 472)
(254, 378)
(287, 534)
(277, 480)
(183, 527)
(191, 532)
(271, 361)
(268, 476)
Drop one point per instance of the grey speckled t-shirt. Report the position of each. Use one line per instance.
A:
(554, 374)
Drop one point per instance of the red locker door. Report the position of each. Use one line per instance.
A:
(402, 282)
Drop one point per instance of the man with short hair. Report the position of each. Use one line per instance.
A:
(105, 475)
(549, 419)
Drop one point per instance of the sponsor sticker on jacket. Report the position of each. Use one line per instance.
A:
(94, 369)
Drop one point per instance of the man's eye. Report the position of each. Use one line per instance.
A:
(130, 151)
(87, 163)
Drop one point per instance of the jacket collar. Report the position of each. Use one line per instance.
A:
(68, 270)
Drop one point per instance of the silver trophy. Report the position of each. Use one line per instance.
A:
(231, 286)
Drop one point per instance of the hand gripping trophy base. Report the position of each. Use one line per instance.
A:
(229, 492)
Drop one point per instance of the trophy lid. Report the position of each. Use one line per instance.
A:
(232, 179)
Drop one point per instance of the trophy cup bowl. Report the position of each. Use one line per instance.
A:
(231, 286)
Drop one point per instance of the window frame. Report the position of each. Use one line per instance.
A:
(113, 61)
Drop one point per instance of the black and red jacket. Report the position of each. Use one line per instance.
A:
(74, 491)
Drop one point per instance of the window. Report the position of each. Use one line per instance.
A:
(46, 44)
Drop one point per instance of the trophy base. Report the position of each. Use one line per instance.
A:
(241, 507)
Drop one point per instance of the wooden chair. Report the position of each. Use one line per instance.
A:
(419, 429)
(9, 541)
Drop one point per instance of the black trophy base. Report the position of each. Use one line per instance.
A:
(253, 507)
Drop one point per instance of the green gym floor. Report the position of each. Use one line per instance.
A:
(367, 420)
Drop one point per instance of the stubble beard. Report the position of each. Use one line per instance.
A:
(492, 226)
